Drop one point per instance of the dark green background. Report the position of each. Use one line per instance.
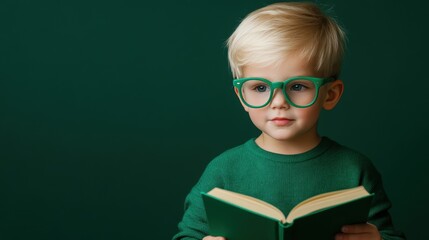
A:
(110, 110)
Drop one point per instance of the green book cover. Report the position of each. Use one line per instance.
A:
(237, 222)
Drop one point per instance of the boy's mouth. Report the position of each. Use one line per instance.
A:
(279, 121)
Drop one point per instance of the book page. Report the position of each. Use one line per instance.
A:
(326, 200)
(248, 202)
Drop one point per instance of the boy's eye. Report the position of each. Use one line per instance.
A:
(255, 87)
(297, 87)
(261, 88)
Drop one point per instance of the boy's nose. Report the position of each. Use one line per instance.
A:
(279, 100)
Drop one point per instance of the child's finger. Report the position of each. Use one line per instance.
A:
(213, 238)
(351, 236)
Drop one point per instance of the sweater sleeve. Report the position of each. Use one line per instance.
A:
(379, 215)
(194, 222)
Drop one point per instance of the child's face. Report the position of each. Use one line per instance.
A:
(279, 121)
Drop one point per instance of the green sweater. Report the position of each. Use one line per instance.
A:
(286, 180)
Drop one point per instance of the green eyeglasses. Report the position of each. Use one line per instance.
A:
(300, 92)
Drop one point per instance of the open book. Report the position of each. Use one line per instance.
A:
(237, 216)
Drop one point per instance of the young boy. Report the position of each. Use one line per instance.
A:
(286, 59)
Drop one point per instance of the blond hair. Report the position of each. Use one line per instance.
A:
(276, 31)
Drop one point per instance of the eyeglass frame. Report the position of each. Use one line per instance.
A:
(318, 82)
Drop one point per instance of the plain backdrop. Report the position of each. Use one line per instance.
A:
(110, 110)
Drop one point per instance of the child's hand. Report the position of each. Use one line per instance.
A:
(351, 232)
(359, 232)
(213, 238)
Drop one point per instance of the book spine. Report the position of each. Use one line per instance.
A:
(285, 231)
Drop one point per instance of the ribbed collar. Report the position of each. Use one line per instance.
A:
(324, 145)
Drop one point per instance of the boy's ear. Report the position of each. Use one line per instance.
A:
(333, 94)
(246, 108)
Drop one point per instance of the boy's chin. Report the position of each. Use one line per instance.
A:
(278, 137)
(288, 137)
